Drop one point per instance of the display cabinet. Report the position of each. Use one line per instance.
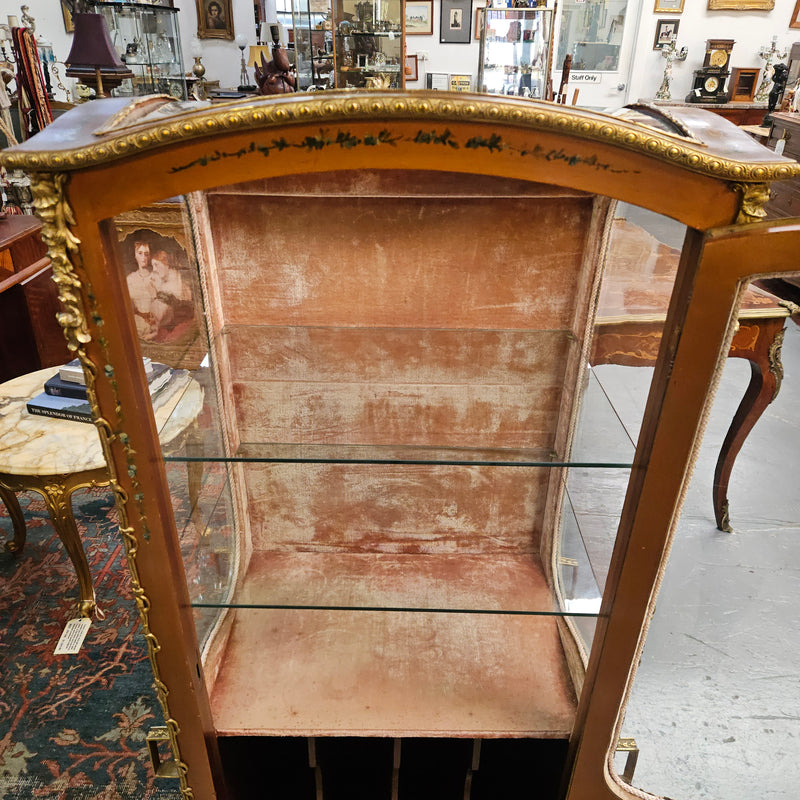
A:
(148, 40)
(368, 44)
(515, 51)
(312, 36)
(369, 533)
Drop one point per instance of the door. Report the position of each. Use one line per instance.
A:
(600, 36)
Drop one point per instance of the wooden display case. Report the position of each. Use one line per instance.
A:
(394, 294)
(515, 51)
(368, 45)
(30, 336)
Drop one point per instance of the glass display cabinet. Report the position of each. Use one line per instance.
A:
(368, 44)
(148, 41)
(591, 32)
(515, 51)
(312, 36)
(372, 530)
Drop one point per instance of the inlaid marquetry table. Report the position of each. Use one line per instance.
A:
(631, 312)
(56, 457)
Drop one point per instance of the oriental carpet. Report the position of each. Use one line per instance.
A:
(73, 727)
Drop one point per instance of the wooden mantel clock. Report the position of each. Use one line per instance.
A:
(387, 301)
(710, 80)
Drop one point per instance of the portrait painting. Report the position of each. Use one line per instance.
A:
(214, 19)
(162, 283)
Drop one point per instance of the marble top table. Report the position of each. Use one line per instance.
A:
(55, 457)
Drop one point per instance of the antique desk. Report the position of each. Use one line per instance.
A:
(56, 457)
(630, 319)
(30, 336)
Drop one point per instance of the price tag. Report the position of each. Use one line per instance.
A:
(72, 636)
(779, 147)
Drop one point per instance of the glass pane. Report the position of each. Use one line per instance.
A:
(312, 35)
(591, 32)
(713, 704)
(640, 263)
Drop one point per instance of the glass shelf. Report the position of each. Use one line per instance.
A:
(362, 32)
(601, 442)
(147, 39)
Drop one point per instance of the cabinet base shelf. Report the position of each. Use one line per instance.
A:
(402, 674)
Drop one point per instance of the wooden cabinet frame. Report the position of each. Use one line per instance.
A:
(103, 160)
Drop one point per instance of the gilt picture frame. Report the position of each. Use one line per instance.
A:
(668, 7)
(69, 25)
(741, 5)
(214, 19)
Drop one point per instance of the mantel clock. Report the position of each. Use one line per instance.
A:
(709, 80)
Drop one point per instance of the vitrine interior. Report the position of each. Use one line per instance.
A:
(393, 376)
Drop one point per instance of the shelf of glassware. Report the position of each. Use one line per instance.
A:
(370, 60)
(147, 39)
(368, 44)
(313, 44)
(515, 51)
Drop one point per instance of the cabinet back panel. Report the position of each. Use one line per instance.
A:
(408, 262)
(395, 508)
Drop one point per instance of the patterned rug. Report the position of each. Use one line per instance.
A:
(73, 727)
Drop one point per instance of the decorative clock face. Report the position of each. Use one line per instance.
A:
(711, 84)
(718, 58)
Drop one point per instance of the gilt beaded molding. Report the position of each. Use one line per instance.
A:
(334, 107)
(52, 207)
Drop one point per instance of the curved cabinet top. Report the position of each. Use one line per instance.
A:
(690, 163)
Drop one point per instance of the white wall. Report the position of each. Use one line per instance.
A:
(461, 59)
(750, 29)
(221, 57)
(49, 24)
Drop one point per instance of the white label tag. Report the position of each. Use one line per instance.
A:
(72, 636)
(779, 147)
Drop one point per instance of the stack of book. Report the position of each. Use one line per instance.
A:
(65, 397)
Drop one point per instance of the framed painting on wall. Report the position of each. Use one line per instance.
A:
(668, 7)
(411, 68)
(456, 22)
(69, 25)
(794, 22)
(741, 5)
(666, 31)
(214, 19)
(480, 13)
(419, 18)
